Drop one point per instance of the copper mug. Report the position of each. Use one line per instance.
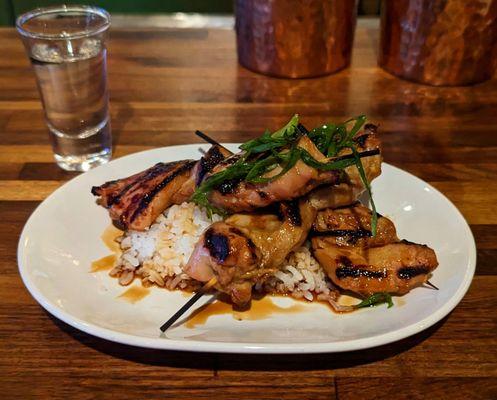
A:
(439, 42)
(295, 38)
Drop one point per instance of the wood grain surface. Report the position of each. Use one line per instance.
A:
(164, 84)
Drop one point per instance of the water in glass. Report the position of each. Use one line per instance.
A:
(73, 88)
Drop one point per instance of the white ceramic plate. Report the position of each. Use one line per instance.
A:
(62, 238)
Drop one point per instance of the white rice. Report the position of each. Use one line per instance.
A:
(159, 254)
(301, 277)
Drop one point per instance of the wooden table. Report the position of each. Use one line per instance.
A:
(167, 83)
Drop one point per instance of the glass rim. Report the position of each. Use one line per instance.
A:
(37, 12)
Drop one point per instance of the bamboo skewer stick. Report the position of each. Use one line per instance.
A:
(166, 325)
(208, 139)
(431, 285)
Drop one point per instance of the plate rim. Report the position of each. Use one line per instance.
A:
(164, 343)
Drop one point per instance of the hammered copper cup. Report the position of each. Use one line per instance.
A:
(295, 38)
(439, 42)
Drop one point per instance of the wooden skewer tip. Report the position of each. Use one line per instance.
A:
(431, 285)
(188, 304)
(208, 139)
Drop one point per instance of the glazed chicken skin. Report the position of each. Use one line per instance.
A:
(356, 261)
(241, 196)
(246, 248)
(225, 253)
(351, 225)
(235, 196)
(214, 156)
(136, 201)
(139, 202)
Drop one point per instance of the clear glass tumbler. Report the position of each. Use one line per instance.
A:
(66, 46)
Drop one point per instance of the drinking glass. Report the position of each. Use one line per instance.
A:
(66, 46)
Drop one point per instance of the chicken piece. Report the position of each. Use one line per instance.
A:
(141, 201)
(352, 225)
(240, 196)
(277, 235)
(214, 156)
(395, 268)
(334, 196)
(351, 187)
(244, 249)
(207, 162)
(355, 261)
(224, 252)
(135, 202)
(110, 192)
(367, 140)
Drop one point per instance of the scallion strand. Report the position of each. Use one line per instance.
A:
(367, 186)
(376, 299)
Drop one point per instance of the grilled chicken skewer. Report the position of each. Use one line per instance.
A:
(241, 196)
(355, 261)
(246, 248)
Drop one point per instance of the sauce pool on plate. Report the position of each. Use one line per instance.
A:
(109, 237)
(103, 264)
(259, 309)
(134, 294)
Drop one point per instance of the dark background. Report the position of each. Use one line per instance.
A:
(10, 9)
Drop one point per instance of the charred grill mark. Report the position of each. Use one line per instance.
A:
(371, 128)
(97, 190)
(262, 194)
(135, 199)
(404, 241)
(411, 272)
(293, 213)
(104, 186)
(208, 162)
(253, 249)
(290, 210)
(356, 272)
(149, 174)
(361, 140)
(147, 198)
(217, 244)
(349, 270)
(355, 234)
(228, 186)
(119, 225)
(236, 231)
(117, 198)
